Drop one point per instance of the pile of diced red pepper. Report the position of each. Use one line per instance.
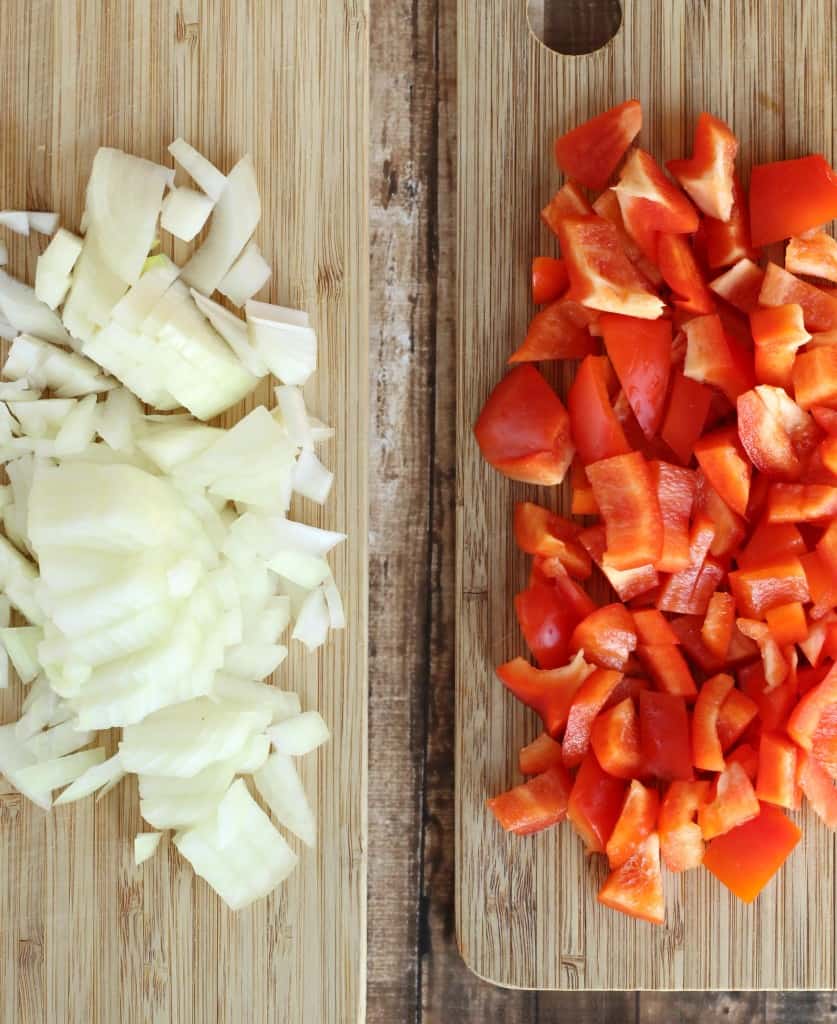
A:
(682, 720)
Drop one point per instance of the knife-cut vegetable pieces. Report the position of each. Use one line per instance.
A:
(534, 805)
(699, 699)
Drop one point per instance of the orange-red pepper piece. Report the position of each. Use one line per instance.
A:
(726, 467)
(627, 498)
(615, 740)
(541, 754)
(688, 408)
(549, 279)
(814, 255)
(770, 542)
(734, 803)
(681, 840)
(538, 531)
(592, 151)
(652, 627)
(675, 487)
(664, 735)
(637, 820)
(806, 716)
(665, 664)
(790, 197)
(776, 779)
(636, 888)
(740, 285)
(607, 636)
(819, 789)
(727, 242)
(568, 201)
(629, 583)
(719, 624)
(588, 701)
(534, 805)
(737, 712)
(640, 351)
(819, 307)
(763, 587)
(778, 332)
(787, 623)
(708, 175)
(706, 744)
(549, 692)
(595, 802)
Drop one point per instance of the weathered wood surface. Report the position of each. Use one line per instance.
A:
(526, 910)
(84, 936)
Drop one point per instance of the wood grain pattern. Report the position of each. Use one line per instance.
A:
(84, 936)
(526, 910)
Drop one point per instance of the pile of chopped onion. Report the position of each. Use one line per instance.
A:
(149, 556)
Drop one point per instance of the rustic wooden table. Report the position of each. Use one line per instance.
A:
(415, 972)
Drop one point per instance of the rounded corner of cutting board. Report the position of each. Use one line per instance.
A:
(514, 97)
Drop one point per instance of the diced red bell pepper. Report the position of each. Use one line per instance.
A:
(636, 822)
(776, 779)
(607, 636)
(666, 208)
(827, 548)
(595, 803)
(765, 440)
(799, 424)
(583, 501)
(800, 503)
(601, 275)
(815, 377)
(747, 857)
(713, 358)
(708, 175)
(664, 735)
(524, 430)
(719, 623)
(538, 531)
(776, 667)
(814, 255)
(819, 307)
(789, 197)
(549, 692)
(688, 407)
(675, 487)
(688, 630)
(549, 279)
(681, 273)
(748, 758)
(627, 499)
(607, 207)
(727, 242)
(652, 627)
(787, 623)
(592, 151)
(679, 593)
(636, 888)
(534, 805)
(819, 789)
(540, 755)
(596, 431)
(726, 466)
(740, 286)
(640, 351)
(769, 542)
(824, 746)
(666, 665)
(629, 583)
(822, 584)
(587, 703)
(568, 201)
(828, 454)
(763, 587)
(776, 704)
(805, 717)
(826, 419)
(681, 840)
(778, 331)
(729, 526)
(557, 332)
(552, 572)
(638, 219)
(615, 740)
(547, 624)
(706, 744)
(627, 687)
(737, 712)
(734, 803)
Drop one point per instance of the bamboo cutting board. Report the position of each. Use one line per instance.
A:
(526, 909)
(84, 936)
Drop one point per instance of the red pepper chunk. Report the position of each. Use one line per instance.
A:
(706, 744)
(615, 740)
(540, 755)
(629, 584)
(776, 780)
(778, 332)
(534, 805)
(815, 377)
(546, 622)
(805, 718)
(636, 887)
(819, 307)
(557, 332)
(568, 201)
(775, 704)
(814, 255)
(596, 431)
(627, 498)
(652, 627)
(607, 636)
(666, 208)
(549, 692)
(719, 624)
(726, 466)
(607, 206)
(551, 572)
(640, 351)
(681, 840)
(800, 503)
(601, 275)
(538, 531)
(727, 242)
(675, 487)
(729, 526)
(708, 175)
(734, 803)
(787, 623)
(688, 407)
(748, 758)
(737, 712)
(664, 736)
(637, 820)
(819, 789)
(770, 542)
(588, 701)
(524, 430)
(776, 667)
(765, 440)
(595, 802)
(681, 273)
(747, 857)
(763, 587)
(678, 593)
(549, 279)
(789, 197)
(740, 286)
(592, 151)
(713, 358)
(667, 667)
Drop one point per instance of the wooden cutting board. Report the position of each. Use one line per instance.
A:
(526, 908)
(84, 936)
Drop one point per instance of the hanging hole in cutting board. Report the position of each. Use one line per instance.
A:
(574, 27)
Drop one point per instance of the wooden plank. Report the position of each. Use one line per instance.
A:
(85, 935)
(750, 63)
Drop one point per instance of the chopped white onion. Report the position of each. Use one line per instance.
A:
(55, 264)
(43, 223)
(280, 787)
(246, 276)
(39, 364)
(234, 332)
(105, 773)
(204, 174)
(311, 478)
(15, 220)
(22, 308)
(284, 340)
(299, 735)
(21, 644)
(185, 212)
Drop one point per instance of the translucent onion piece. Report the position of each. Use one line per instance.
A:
(284, 340)
(204, 174)
(280, 787)
(299, 735)
(185, 212)
(52, 272)
(246, 276)
(22, 308)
